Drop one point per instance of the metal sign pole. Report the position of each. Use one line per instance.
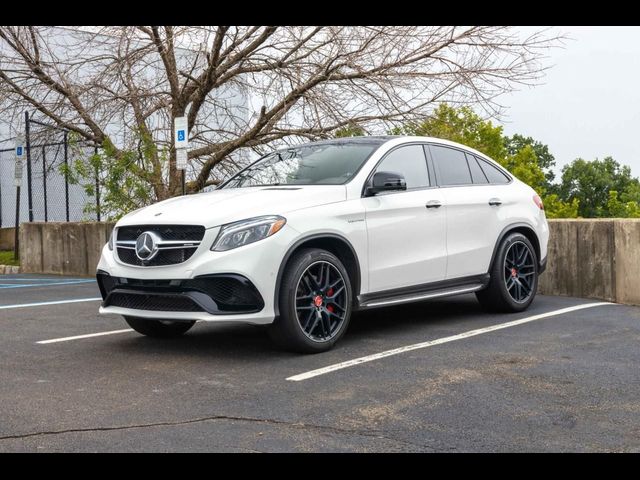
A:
(66, 175)
(28, 145)
(44, 183)
(18, 173)
(181, 144)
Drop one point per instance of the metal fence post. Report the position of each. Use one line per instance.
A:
(44, 183)
(66, 174)
(28, 146)
(95, 152)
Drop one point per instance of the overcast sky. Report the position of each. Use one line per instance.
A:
(589, 103)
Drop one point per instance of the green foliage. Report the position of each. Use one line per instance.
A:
(6, 258)
(546, 161)
(524, 165)
(591, 181)
(460, 125)
(621, 209)
(351, 130)
(124, 179)
(554, 207)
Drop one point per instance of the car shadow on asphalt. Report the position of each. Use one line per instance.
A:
(253, 342)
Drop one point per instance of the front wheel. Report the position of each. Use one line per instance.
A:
(315, 302)
(514, 276)
(159, 328)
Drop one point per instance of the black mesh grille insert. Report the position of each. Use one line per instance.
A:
(218, 293)
(163, 257)
(228, 292)
(161, 303)
(166, 232)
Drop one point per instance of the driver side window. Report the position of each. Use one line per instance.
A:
(409, 161)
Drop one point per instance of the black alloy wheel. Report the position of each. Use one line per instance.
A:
(519, 270)
(321, 301)
(513, 276)
(314, 302)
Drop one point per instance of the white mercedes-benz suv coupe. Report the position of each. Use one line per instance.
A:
(306, 235)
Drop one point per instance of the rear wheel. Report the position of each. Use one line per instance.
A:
(314, 302)
(158, 328)
(514, 276)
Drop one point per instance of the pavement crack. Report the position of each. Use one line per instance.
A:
(213, 418)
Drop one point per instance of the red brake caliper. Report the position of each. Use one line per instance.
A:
(329, 293)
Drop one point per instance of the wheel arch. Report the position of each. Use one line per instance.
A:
(334, 243)
(524, 229)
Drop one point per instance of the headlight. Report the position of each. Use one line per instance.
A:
(244, 232)
(110, 243)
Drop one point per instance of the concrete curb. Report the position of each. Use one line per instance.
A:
(9, 269)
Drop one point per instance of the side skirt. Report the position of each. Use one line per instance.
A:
(445, 288)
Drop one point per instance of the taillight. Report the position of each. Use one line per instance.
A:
(538, 201)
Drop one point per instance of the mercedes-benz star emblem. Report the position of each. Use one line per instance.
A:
(147, 246)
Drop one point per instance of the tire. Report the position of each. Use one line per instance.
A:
(315, 308)
(512, 286)
(159, 328)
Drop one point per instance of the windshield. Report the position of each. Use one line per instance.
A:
(314, 164)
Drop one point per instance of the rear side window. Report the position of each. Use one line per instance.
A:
(476, 172)
(494, 175)
(451, 166)
(410, 162)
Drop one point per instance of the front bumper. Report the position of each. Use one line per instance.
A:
(214, 294)
(177, 292)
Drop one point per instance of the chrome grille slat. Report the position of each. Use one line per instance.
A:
(178, 244)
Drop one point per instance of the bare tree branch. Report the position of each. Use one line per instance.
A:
(254, 87)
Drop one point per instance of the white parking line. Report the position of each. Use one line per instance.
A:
(89, 335)
(439, 341)
(57, 302)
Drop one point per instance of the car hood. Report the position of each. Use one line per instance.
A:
(229, 205)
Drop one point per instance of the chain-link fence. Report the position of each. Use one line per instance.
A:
(46, 192)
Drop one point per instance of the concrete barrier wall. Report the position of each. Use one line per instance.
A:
(62, 248)
(587, 258)
(7, 238)
(594, 258)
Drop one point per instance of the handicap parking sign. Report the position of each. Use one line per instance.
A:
(19, 151)
(181, 135)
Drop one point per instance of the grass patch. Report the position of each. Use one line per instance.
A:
(6, 258)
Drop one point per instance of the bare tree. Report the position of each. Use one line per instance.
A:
(248, 87)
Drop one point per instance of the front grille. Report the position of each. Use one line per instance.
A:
(164, 257)
(154, 302)
(167, 232)
(168, 254)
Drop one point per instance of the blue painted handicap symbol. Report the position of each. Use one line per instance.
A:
(181, 135)
(18, 151)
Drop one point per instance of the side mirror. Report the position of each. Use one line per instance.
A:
(385, 182)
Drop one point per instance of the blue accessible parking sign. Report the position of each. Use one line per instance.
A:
(19, 151)
(181, 135)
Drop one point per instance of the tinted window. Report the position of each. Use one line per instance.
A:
(476, 171)
(410, 162)
(452, 166)
(493, 174)
(324, 163)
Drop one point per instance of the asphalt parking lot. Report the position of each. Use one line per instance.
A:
(562, 376)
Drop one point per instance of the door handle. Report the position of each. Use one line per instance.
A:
(495, 202)
(434, 204)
